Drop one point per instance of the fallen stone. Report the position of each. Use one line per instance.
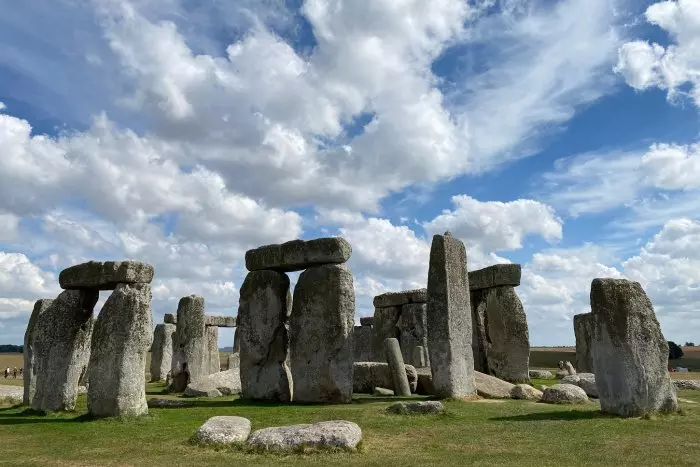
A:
(687, 384)
(162, 351)
(170, 318)
(61, 349)
(401, 298)
(223, 383)
(263, 312)
(223, 430)
(196, 390)
(190, 351)
(495, 276)
(369, 375)
(338, 434)
(585, 381)
(220, 321)
(406, 408)
(583, 330)
(366, 321)
(541, 374)
(396, 367)
(160, 403)
(120, 343)
(382, 392)
(525, 392)
(29, 367)
(105, 275)
(449, 319)
(384, 327)
(564, 394)
(321, 328)
(298, 255)
(629, 351)
(491, 387)
(425, 382)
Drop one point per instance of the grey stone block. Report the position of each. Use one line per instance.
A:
(105, 275)
(297, 255)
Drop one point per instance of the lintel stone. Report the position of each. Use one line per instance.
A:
(494, 276)
(401, 298)
(105, 275)
(298, 255)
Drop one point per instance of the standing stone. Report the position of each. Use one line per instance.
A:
(412, 327)
(29, 369)
(120, 344)
(362, 343)
(61, 348)
(480, 340)
(190, 354)
(162, 351)
(396, 367)
(263, 314)
(419, 356)
(322, 326)
(583, 324)
(629, 352)
(212, 333)
(384, 327)
(449, 319)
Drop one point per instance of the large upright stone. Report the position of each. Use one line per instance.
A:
(495, 276)
(630, 354)
(507, 345)
(29, 368)
(298, 254)
(385, 326)
(321, 326)
(263, 314)
(61, 348)
(362, 344)
(162, 351)
(396, 367)
(190, 353)
(449, 319)
(212, 333)
(412, 327)
(583, 330)
(105, 275)
(120, 343)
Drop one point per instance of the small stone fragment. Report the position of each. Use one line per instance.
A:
(224, 430)
(170, 318)
(324, 435)
(105, 275)
(298, 255)
(541, 374)
(564, 394)
(401, 298)
(382, 392)
(525, 392)
(494, 276)
(410, 408)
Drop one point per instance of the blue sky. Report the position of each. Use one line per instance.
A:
(562, 135)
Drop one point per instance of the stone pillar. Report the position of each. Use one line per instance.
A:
(419, 356)
(396, 367)
(29, 367)
(61, 347)
(322, 326)
(362, 344)
(190, 356)
(384, 327)
(263, 314)
(162, 351)
(449, 319)
(412, 328)
(212, 333)
(583, 329)
(630, 354)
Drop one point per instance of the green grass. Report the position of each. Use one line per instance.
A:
(471, 433)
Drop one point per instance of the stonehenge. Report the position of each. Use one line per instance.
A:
(402, 316)
(396, 367)
(162, 351)
(583, 333)
(362, 341)
(29, 366)
(500, 337)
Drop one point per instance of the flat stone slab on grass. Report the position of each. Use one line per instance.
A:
(494, 276)
(298, 254)
(338, 434)
(224, 430)
(564, 394)
(491, 387)
(223, 383)
(687, 384)
(585, 381)
(525, 392)
(426, 407)
(401, 298)
(382, 392)
(105, 275)
(541, 374)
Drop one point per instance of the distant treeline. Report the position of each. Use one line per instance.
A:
(8, 348)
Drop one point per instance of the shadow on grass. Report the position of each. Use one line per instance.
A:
(570, 415)
(30, 416)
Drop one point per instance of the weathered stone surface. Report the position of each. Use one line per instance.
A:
(506, 343)
(322, 326)
(561, 374)
(120, 344)
(525, 392)
(401, 298)
(629, 352)
(212, 336)
(332, 434)
(362, 344)
(541, 374)
(220, 321)
(396, 367)
(368, 375)
(569, 368)
(687, 384)
(583, 330)
(224, 430)
(413, 331)
(298, 254)
(384, 327)
(29, 369)
(425, 382)
(585, 381)
(105, 275)
(224, 383)
(382, 392)
(419, 360)
(491, 387)
(237, 337)
(190, 354)
(421, 408)
(234, 361)
(367, 321)
(449, 319)
(170, 318)
(495, 276)
(61, 349)
(162, 351)
(263, 314)
(564, 394)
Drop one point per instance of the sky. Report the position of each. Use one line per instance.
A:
(561, 135)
